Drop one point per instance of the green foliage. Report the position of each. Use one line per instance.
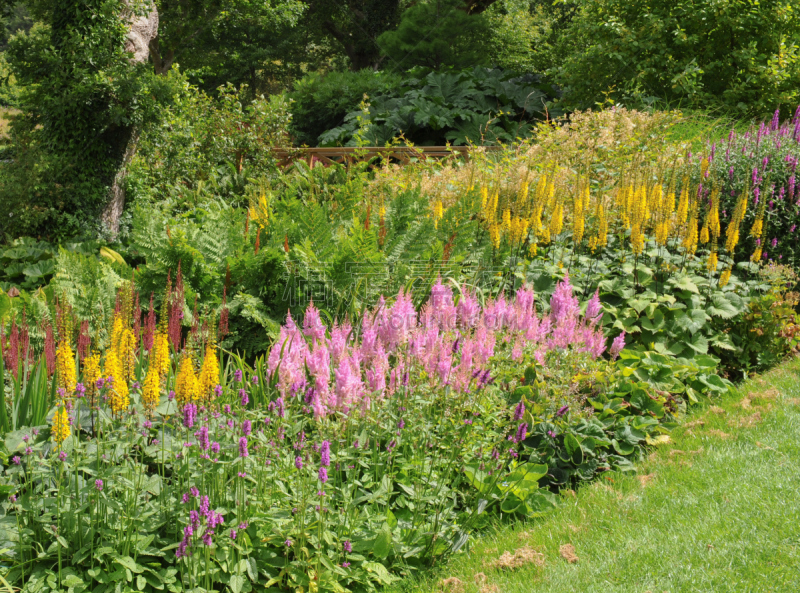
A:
(478, 106)
(204, 146)
(320, 102)
(768, 330)
(742, 56)
(434, 34)
(81, 100)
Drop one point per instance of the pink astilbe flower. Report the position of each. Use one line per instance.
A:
(312, 323)
(468, 310)
(617, 345)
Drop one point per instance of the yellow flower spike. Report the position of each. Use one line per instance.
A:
(757, 229)
(725, 277)
(91, 373)
(704, 234)
(683, 203)
(186, 386)
(65, 366)
(556, 222)
(209, 372)
(60, 430)
(522, 195)
(116, 331)
(151, 390)
(506, 225)
(438, 213)
(160, 355)
(126, 351)
(756, 257)
(712, 262)
(119, 399)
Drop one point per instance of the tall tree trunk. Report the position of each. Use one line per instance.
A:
(143, 29)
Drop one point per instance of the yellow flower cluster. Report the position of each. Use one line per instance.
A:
(187, 387)
(119, 393)
(91, 373)
(649, 204)
(65, 367)
(60, 430)
(209, 372)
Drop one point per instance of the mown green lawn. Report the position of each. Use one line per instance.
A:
(716, 510)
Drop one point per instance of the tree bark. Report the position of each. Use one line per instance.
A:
(143, 29)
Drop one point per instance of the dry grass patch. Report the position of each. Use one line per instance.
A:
(521, 557)
(746, 422)
(567, 552)
(452, 585)
(718, 433)
(646, 479)
(716, 410)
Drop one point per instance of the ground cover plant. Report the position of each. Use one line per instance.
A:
(349, 455)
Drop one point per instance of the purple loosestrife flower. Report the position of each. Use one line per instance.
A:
(98, 485)
(323, 475)
(347, 546)
(13, 498)
(325, 453)
(522, 430)
(298, 462)
(551, 434)
(237, 375)
(561, 411)
(243, 397)
(26, 438)
(215, 447)
(62, 456)
(288, 543)
(205, 506)
(202, 438)
(218, 391)
(28, 450)
(246, 428)
(233, 534)
(194, 491)
(345, 565)
(189, 415)
(243, 447)
(519, 412)
(185, 498)
(254, 379)
(401, 425)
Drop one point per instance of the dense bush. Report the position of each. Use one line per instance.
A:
(320, 102)
(737, 55)
(205, 146)
(81, 102)
(437, 33)
(480, 106)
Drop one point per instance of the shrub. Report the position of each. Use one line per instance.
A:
(320, 102)
(206, 145)
(473, 106)
(435, 34)
(739, 56)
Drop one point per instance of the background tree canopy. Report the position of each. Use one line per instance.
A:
(64, 67)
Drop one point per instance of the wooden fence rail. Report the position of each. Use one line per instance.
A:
(347, 155)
